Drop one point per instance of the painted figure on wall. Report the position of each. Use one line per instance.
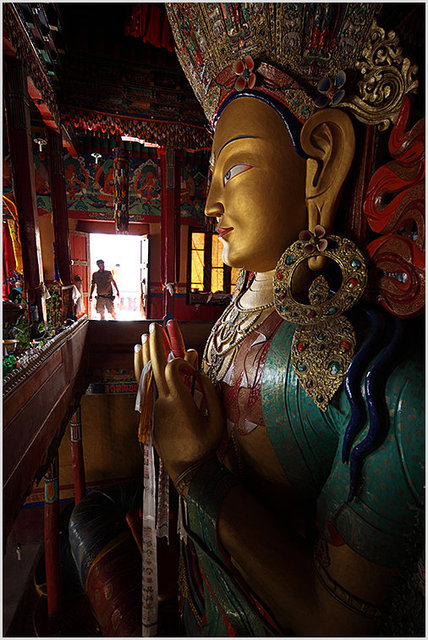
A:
(298, 450)
(104, 182)
(146, 182)
(76, 179)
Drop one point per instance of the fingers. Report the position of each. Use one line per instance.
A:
(178, 376)
(145, 349)
(191, 357)
(177, 342)
(137, 362)
(158, 357)
(165, 341)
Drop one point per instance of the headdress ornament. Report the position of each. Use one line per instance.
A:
(306, 55)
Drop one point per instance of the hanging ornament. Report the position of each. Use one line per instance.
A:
(41, 142)
(121, 189)
(324, 341)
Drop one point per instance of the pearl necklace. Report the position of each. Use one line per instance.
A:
(233, 326)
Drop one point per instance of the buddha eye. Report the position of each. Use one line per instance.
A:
(234, 171)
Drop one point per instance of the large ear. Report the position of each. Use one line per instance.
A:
(328, 139)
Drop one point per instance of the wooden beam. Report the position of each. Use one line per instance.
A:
(168, 225)
(77, 463)
(60, 217)
(21, 153)
(51, 537)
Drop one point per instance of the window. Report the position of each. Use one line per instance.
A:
(206, 270)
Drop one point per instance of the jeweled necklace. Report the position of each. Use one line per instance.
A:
(233, 326)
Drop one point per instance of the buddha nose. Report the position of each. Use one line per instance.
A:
(214, 206)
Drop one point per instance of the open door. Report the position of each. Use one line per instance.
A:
(144, 277)
(80, 267)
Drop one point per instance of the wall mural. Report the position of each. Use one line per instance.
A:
(193, 189)
(90, 188)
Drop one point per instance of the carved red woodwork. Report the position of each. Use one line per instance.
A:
(395, 208)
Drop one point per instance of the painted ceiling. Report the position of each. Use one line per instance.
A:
(109, 70)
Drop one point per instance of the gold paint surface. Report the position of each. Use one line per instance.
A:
(263, 202)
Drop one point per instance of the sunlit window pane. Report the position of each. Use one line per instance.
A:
(197, 261)
(198, 240)
(217, 249)
(217, 280)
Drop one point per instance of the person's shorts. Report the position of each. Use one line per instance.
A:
(104, 303)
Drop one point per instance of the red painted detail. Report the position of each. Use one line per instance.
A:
(346, 345)
(394, 208)
(301, 346)
(311, 313)
(335, 538)
(230, 630)
(280, 275)
(394, 254)
(78, 471)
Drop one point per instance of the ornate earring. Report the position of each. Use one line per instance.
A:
(324, 341)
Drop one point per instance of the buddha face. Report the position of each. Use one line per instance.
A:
(257, 191)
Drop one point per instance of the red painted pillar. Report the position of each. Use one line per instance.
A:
(60, 216)
(177, 212)
(77, 463)
(51, 534)
(21, 153)
(168, 225)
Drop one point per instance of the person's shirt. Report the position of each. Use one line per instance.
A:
(103, 280)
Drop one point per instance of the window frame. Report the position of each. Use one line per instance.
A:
(208, 268)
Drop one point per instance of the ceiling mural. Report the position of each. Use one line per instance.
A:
(106, 69)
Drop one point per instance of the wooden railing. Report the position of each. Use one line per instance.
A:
(40, 397)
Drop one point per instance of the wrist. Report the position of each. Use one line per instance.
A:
(209, 486)
(184, 479)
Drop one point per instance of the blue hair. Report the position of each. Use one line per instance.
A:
(292, 124)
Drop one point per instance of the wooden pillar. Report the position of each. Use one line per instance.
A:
(168, 225)
(51, 535)
(177, 213)
(21, 153)
(77, 463)
(60, 217)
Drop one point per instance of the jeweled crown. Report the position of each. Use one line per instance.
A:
(307, 55)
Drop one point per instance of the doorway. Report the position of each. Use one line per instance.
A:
(127, 257)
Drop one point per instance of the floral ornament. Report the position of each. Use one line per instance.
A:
(331, 89)
(315, 240)
(244, 70)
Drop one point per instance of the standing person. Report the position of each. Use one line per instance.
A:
(103, 280)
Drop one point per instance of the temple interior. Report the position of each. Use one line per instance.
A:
(105, 157)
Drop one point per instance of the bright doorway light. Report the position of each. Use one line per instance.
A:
(126, 258)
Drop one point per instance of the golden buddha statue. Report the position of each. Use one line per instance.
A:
(298, 446)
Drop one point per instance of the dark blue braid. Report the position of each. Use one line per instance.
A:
(353, 381)
(375, 398)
